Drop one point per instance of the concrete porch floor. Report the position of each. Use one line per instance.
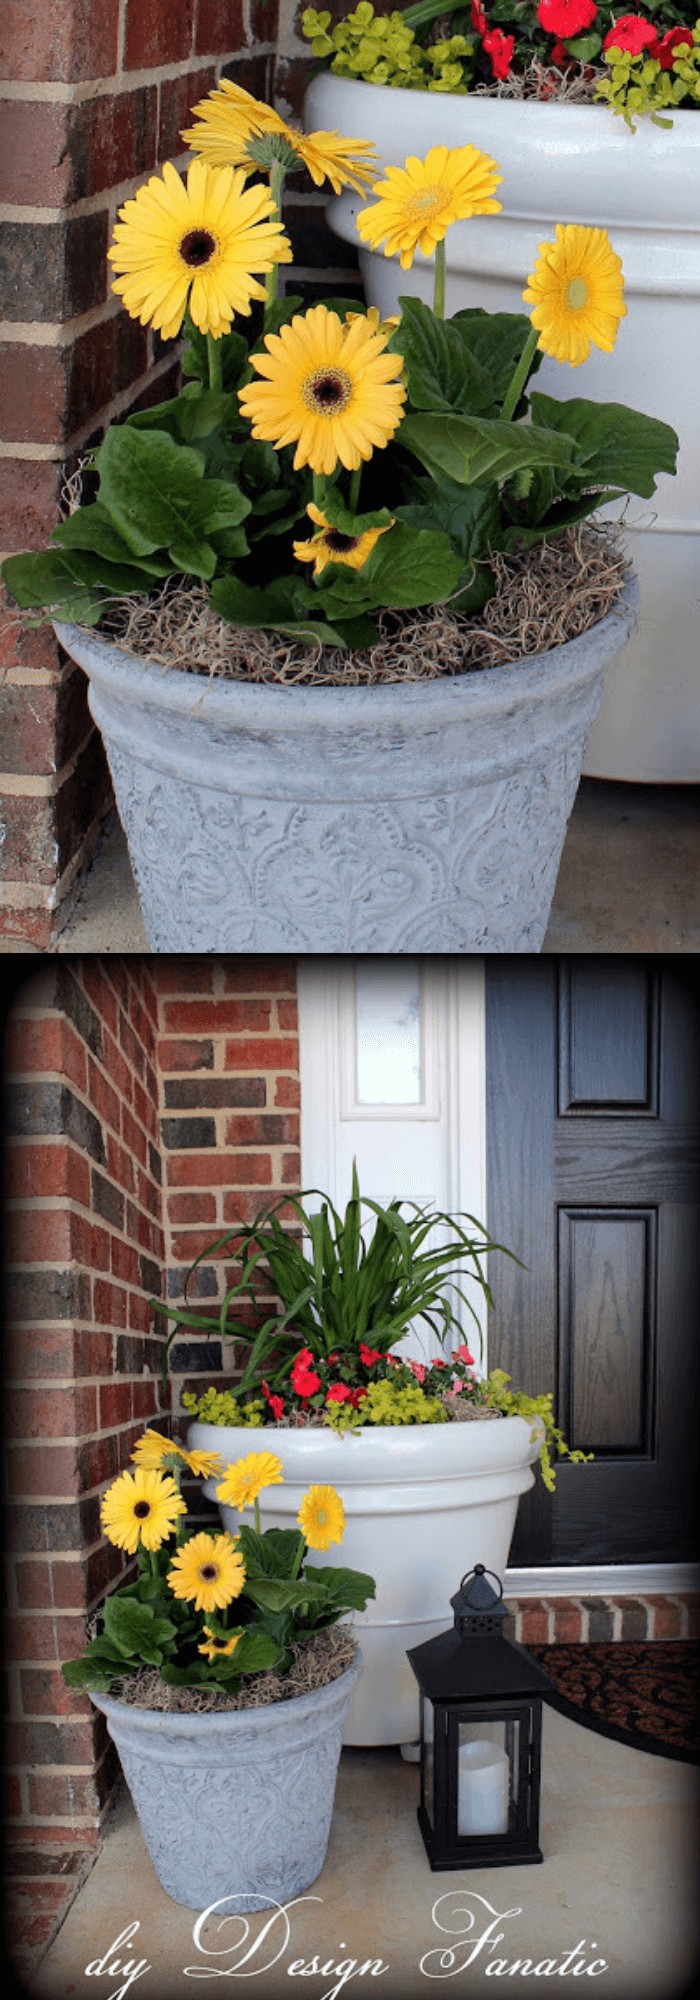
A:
(629, 878)
(618, 1883)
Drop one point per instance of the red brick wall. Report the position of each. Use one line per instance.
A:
(83, 1255)
(95, 93)
(228, 1057)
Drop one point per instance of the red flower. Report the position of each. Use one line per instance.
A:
(304, 1378)
(419, 1371)
(370, 1355)
(357, 1396)
(339, 1394)
(558, 55)
(478, 18)
(631, 33)
(276, 1402)
(499, 49)
(671, 44)
(566, 17)
(462, 1354)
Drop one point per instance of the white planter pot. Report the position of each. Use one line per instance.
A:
(576, 163)
(421, 817)
(423, 1504)
(237, 1804)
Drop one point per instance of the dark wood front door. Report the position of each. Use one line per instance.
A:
(593, 1092)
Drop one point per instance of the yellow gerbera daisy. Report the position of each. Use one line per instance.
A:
(141, 1506)
(331, 545)
(195, 245)
(153, 1449)
(208, 1571)
(416, 203)
(576, 290)
(329, 388)
(321, 1517)
(219, 1649)
(229, 117)
(244, 1480)
(374, 319)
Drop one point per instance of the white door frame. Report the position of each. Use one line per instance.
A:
(450, 1118)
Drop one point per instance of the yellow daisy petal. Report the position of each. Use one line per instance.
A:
(321, 1517)
(200, 242)
(219, 1649)
(325, 386)
(577, 294)
(153, 1449)
(141, 1507)
(208, 1572)
(416, 204)
(333, 546)
(229, 117)
(243, 1481)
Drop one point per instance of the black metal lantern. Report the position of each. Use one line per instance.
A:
(481, 1732)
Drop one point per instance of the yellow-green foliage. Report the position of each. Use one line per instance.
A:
(218, 1406)
(637, 85)
(385, 1404)
(515, 1403)
(381, 49)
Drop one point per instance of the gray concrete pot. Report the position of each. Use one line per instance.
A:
(424, 817)
(236, 1804)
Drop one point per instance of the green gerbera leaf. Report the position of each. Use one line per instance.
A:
(616, 446)
(476, 450)
(442, 370)
(92, 530)
(156, 492)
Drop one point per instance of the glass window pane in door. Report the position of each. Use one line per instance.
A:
(388, 1032)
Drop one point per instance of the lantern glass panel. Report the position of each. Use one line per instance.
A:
(488, 1761)
(427, 1762)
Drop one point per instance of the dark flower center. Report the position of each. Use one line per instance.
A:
(197, 247)
(328, 391)
(142, 1509)
(209, 1572)
(340, 544)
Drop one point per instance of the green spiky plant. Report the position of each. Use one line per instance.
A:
(336, 1291)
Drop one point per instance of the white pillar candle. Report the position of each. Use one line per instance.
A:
(482, 1797)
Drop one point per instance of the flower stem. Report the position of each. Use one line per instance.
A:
(439, 299)
(519, 376)
(214, 359)
(317, 479)
(256, 1509)
(296, 1566)
(354, 494)
(277, 177)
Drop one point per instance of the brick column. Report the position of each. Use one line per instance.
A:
(95, 94)
(228, 1058)
(84, 1254)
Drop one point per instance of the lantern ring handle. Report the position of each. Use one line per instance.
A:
(481, 1570)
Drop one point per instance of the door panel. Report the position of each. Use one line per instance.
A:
(606, 1281)
(593, 1122)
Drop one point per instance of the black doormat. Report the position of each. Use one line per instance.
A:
(643, 1694)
